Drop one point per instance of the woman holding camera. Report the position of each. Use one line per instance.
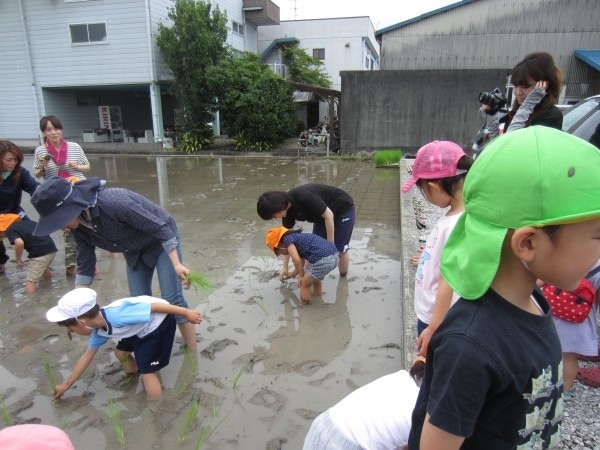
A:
(536, 81)
(58, 157)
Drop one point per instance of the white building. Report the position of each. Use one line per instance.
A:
(68, 57)
(341, 44)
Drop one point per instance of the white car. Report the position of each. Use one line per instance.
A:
(583, 120)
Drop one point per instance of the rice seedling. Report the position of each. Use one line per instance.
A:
(237, 376)
(191, 417)
(50, 371)
(268, 263)
(188, 356)
(65, 422)
(384, 158)
(206, 432)
(260, 301)
(199, 281)
(215, 408)
(5, 414)
(115, 416)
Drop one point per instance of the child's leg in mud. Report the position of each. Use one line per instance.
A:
(152, 384)
(305, 284)
(127, 361)
(318, 288)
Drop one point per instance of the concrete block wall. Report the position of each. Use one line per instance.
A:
(398, 109)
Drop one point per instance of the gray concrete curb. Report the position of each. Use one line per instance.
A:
(409, 245)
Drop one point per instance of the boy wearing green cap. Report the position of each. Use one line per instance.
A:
(493, 378)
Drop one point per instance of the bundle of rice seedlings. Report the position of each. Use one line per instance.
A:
(199, 281)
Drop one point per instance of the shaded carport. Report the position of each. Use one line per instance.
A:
(334, 110)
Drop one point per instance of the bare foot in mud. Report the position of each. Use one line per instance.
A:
(304, 302)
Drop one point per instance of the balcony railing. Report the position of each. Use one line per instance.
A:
(279, 69)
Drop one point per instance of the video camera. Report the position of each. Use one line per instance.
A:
(495, 100)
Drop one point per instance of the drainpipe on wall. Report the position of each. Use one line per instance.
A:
(155, 99)
(36, 97)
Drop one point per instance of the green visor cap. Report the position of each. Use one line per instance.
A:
(536, 176)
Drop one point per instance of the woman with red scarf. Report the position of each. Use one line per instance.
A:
(58, 157)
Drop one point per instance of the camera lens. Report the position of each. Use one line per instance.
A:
(485, 98)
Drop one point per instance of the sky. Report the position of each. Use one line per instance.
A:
(383, 13)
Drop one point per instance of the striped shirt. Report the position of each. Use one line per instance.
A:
(74, 154)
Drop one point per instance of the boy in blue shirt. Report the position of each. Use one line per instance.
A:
(144, 325)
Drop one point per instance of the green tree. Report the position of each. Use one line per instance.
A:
(255, 104)
(190, 46)
(303, 68)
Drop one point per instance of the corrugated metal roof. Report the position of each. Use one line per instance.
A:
(591, 57)
(378, 33)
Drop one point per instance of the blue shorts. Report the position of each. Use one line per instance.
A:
(343, 224)
(153, 351)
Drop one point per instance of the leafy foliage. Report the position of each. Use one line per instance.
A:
(190, 46)
(256, 105)
(303, 68)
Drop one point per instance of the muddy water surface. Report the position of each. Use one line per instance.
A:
(265, 365)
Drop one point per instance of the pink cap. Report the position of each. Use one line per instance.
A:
(438, 159)
(34, 437)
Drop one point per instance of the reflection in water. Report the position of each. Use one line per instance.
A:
(162, 175)
(320, 331)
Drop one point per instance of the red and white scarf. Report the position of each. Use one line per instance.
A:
(60, 157)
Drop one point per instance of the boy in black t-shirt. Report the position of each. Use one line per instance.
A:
(40, 249)
(494, 376)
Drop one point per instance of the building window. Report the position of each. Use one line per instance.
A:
(319, 53)
(238, 28)
(88, 33)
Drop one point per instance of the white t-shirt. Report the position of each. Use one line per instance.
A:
(377, 416)
(428, 270)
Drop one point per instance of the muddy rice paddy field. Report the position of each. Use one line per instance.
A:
(265, 365)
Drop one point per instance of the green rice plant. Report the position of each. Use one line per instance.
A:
(268, 263)
(191, 417)
(237, 376)
(199, 281)
(260, 301)
(188, 356)
(50, 371)
(115, 416)
(215, 408)
(206, 432)
(5, 414)
(387, 157)
(65, 422)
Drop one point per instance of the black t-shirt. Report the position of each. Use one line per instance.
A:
(493, 375)
(36, 246)
(309, 202)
